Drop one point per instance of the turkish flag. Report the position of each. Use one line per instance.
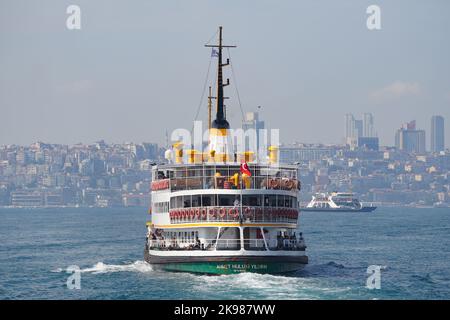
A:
(245, 169)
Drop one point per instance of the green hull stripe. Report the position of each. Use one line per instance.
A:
(231, 267)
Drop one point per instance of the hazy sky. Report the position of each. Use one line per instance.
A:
(136, 68)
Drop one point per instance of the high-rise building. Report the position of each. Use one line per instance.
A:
(368, 126)
(356, 129)
(409, 139)
(350, 130)
(252, 121)
(437, 134)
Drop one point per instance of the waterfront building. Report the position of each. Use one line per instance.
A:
(368, 125)
(409, 139)
(437, 134)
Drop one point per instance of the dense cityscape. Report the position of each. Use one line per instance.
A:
(105, 175)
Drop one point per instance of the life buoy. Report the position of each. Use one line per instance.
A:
(248, 212)
(222, 212)
(289, 184)
(274, 184)
(213, 213)
(276, 212)
(258, 212)
(197, 213)
(233, 213)
(203, 213)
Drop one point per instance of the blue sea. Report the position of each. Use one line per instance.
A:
(38, 245)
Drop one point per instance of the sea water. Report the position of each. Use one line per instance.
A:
(411, 246)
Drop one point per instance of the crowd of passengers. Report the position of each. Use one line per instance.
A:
(284, 242)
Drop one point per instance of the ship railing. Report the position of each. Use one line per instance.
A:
(286, 244)
(226, 244)
(229, 183)
(245, 214)
(189, 244)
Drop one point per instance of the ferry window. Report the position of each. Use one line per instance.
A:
(173, 202)
(253, 239)
(287, 202)
(196, 201)
(208, 200)
(270, 201)
(186, 201)
(230, 240)
(226, 200)
(251, 200)
(280, 202)
(179, 202)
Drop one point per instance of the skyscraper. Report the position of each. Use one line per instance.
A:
(357, 129)
(350, 130)
(368, 126)
(252, 122)
(409, 139)
(437, 134)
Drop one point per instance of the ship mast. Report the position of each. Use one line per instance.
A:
(220, 122)
(209, 108)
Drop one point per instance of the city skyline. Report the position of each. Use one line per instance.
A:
(115, 78)
(354, 129)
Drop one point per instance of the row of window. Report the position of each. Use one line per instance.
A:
(223, 171)
(181, 236)
(222, 200)
(160, 206)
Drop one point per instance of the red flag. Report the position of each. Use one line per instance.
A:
(245, 169)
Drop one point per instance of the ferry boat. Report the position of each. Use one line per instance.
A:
(336, 201)
(217, 212)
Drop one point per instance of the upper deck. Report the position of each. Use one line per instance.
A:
(181, 177)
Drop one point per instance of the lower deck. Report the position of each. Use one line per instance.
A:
(225, 238)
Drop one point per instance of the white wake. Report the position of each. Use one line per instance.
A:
(100, 267)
